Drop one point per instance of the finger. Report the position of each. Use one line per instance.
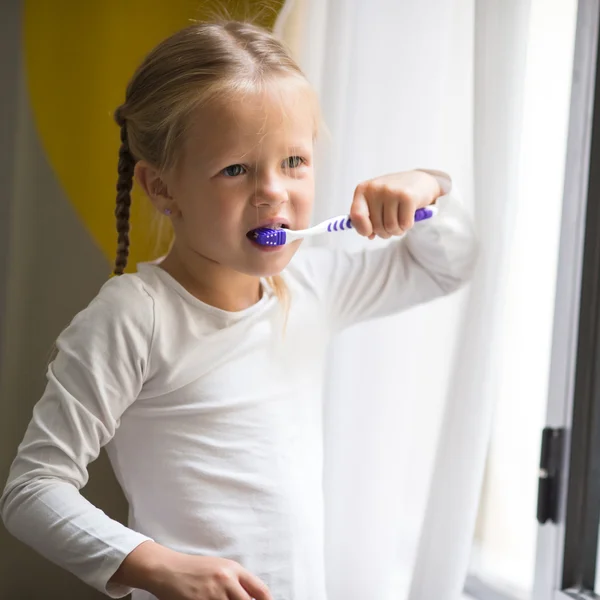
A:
(236, 592)
(391, 213)
(377, 218)
(359, 213)
(406, 216)
(254, 586)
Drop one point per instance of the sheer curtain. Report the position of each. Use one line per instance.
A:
(407, 84)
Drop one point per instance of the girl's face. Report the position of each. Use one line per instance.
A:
(246, 163)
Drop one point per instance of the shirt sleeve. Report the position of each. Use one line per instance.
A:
(435, 258)
(101, 362)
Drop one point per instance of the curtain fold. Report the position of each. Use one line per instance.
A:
(501, 31)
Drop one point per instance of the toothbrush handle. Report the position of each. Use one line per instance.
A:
(344, 222)
(425, 213)
(420, 215)
(337, 224)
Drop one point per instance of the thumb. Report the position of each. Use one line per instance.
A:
(359, 213)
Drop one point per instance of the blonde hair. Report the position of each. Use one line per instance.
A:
(191, 67)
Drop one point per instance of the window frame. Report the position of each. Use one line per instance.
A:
(566, 550)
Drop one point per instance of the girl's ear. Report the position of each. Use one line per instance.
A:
(150, 180)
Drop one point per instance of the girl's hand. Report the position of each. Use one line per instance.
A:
(385, 206)
(171, 575)
(186, 577)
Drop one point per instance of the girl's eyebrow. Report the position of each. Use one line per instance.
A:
(220, 158)
(299, 149)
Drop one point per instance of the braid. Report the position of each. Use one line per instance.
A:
(122, 209)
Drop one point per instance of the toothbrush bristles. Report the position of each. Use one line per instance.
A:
(266, 236)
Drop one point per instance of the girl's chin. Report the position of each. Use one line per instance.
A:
(270, 264)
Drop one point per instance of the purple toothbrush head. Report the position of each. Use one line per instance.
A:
(265, 236)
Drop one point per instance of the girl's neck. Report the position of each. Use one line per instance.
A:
(212, 283)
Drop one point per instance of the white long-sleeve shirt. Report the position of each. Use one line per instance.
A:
(211, 419)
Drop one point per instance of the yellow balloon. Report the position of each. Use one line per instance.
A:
(79, 57)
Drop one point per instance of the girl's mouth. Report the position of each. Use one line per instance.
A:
(251, 235)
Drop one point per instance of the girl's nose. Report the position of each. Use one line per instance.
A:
(270, 190)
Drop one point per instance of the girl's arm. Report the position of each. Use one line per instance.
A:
(102, 361)
(433, 259)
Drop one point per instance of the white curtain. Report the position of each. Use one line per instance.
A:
(405, 84)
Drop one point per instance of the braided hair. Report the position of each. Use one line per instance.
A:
(124, 185)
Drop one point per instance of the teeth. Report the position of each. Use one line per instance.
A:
(272, 226)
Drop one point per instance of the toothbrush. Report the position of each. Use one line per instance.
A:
(267, 236)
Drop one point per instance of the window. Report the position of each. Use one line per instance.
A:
(559, 556)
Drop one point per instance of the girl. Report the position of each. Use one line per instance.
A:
(208, 409)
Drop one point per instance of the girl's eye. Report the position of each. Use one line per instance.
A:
(293, 162)
(234, 170)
